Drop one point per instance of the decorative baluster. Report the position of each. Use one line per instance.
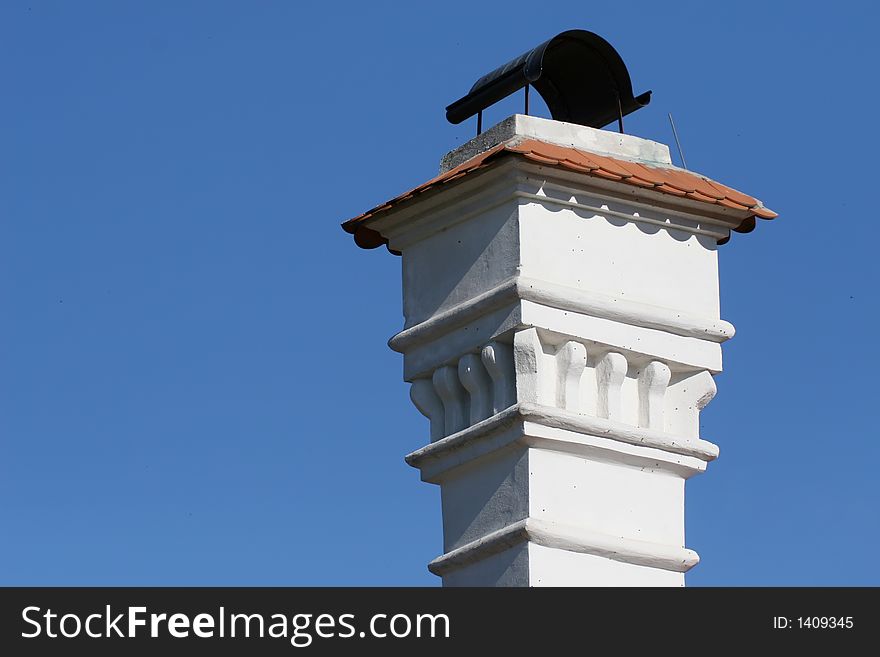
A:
(454, 398)
(653, 382)
(610, 372)
(498, 359)
(476, 381)
(571, 360)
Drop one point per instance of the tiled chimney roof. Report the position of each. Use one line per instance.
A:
(666, 180)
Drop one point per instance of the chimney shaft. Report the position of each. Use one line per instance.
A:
(562, 332)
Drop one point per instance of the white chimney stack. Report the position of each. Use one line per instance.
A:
(560, 291)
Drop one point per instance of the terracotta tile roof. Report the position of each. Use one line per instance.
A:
(676, 182)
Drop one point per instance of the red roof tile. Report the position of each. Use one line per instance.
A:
(666, 180)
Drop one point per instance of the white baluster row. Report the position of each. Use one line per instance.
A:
(456, 397)
(569, 375)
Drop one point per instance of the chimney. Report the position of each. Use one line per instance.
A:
(562, 330)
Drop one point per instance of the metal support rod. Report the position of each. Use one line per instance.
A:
(527, 98)
(677, 143)
(619, 114)
(479, 122)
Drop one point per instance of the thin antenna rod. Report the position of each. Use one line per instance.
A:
(677, 143)
(479, 122)
(527, 98)
(619, 113)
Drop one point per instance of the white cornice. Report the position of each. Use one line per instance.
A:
(573, 539)
(565, 298)
(580, 434)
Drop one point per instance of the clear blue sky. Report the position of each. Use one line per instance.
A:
(195, 386)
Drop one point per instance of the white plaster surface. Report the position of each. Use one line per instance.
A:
(620, 261)
(480, 500)
(458, 263)
(611, 498)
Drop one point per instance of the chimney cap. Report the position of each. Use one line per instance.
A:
(579, 75)
(731, 207)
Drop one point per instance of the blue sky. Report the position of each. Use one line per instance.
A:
(195, 386)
